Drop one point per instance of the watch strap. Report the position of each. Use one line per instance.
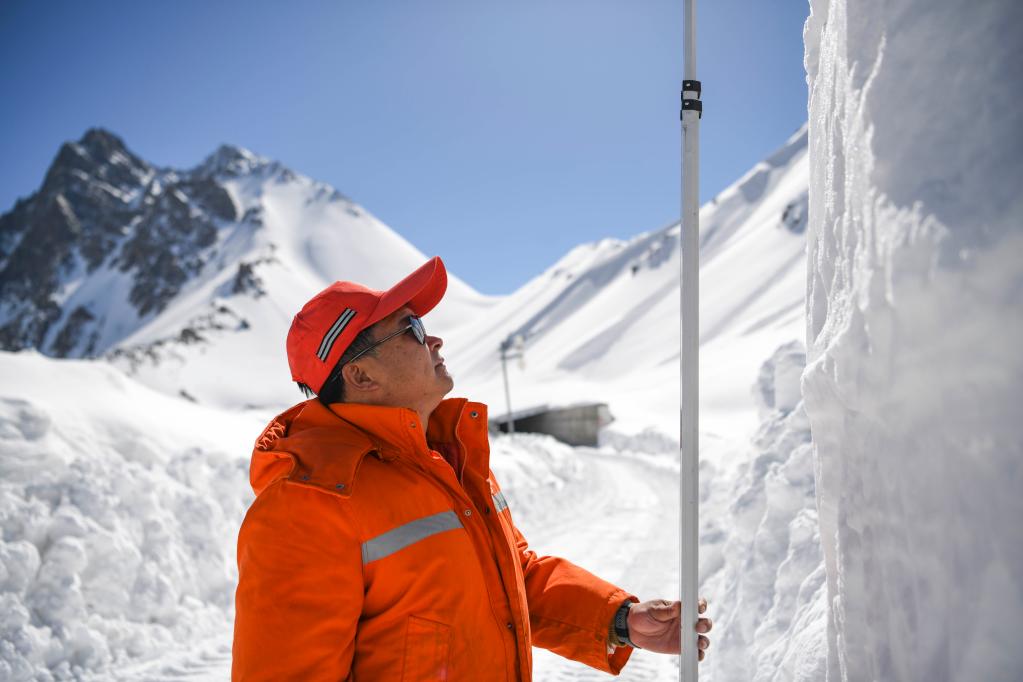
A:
(621, 624)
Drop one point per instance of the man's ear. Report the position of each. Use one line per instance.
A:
(356, 378)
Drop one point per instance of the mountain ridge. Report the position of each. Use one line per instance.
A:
(211, 263)
(135, 237)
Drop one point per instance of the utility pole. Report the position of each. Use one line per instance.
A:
(511, 348)
(689, 482)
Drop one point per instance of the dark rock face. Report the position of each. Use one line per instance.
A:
(69, 336)
(205, 192)
(97, 175)
(26, 330)
(167, 247)
(246, 280)
(34, 268)
(101, 207)
(794, 216)
(213, 320)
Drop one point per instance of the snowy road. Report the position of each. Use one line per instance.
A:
(618, 519)
(615, 515)
(209, 664)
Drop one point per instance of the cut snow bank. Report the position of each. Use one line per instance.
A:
(119, 509)
(915, 375)
(760, 555)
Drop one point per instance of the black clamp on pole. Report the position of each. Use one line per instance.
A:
(692, 104)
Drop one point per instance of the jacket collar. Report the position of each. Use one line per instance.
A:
(392, 430)
(323, 447)
(458, 429)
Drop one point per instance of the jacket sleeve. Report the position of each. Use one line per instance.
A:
(570, 609)
(300, 587)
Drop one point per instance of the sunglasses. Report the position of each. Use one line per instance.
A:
(415, 325)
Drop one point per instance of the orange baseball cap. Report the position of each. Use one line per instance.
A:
(330, 321)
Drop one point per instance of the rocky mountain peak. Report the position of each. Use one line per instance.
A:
(103, 212)
(99, 156)
(230, 161)
(100, 143)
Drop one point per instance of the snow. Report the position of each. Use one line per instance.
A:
(119, 508)
(759, 546)
(914, 373)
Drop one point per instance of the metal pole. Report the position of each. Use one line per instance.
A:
(507, 391)
(690, 365)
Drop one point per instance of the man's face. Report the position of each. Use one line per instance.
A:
(409, 373)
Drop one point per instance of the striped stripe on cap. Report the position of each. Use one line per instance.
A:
(335, 331)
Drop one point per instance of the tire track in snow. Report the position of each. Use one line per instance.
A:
(211, 664)
(619, 520)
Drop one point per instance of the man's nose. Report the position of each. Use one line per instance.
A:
(434, 342)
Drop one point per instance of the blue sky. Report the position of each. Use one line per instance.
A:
(497, 135)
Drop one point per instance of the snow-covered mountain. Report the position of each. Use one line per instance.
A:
(187, 279)
(602, 322)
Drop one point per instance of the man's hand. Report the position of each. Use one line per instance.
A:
(655, 626)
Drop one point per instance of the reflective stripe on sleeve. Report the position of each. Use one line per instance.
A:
(406, 534)
(500, 504)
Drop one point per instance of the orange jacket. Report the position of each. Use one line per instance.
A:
(366, 555)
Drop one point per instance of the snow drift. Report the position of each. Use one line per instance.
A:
(119, 512)
(915, 376)
(119, 508)
(760, 557)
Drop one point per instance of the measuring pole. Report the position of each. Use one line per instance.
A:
(692, 109)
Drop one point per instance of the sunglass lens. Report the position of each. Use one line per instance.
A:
(418, 329)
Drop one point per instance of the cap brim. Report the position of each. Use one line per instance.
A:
(421, 291)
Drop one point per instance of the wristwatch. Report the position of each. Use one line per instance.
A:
(620, 626)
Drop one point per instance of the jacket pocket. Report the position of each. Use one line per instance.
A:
(426, 650)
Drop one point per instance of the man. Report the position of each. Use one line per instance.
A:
(380, 546)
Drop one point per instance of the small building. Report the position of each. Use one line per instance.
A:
(573, 424)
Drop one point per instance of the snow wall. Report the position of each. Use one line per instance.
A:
(914, 376)
(760, 556)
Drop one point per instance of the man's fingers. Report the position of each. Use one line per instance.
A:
(702, 605)
(666, 610)
(700, 655)
(702, 642)
(704, 625)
